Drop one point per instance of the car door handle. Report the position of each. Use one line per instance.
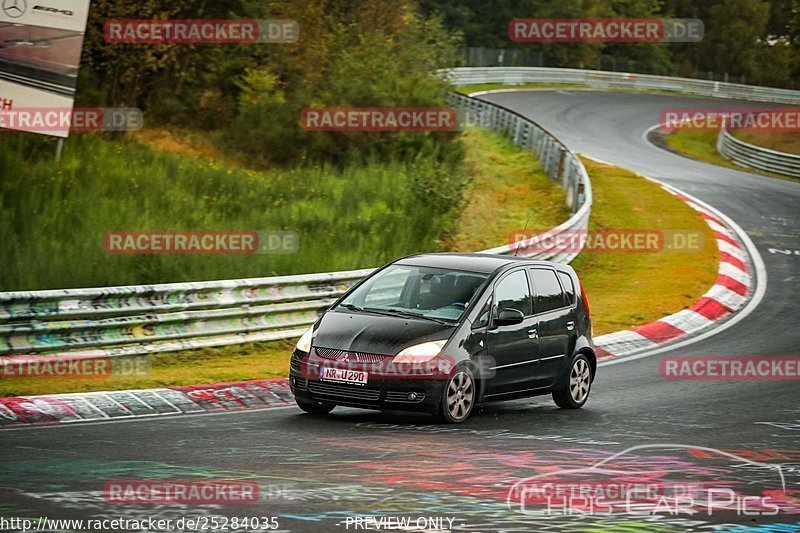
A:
(533, 334)
(571, 325)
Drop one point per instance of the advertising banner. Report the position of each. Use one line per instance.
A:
(40, 51)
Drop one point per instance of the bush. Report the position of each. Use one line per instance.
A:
(383, 54)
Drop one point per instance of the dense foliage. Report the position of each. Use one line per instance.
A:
(369, 53)
(754, 41)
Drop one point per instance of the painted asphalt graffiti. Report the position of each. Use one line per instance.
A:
(94, 406)
(730, 293)
(426, 476)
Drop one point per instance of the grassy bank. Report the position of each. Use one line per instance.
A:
(508, 189)
(702, 145)
(630, 289)
(55, 216)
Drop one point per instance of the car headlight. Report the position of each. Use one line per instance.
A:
(420, 353)
(304, 344)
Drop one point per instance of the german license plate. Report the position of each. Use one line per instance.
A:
(343, 375)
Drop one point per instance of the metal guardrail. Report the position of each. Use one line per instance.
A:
(752, 156)
(136, 320)
(619, 80)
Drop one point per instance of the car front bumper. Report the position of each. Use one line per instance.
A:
(419, 392)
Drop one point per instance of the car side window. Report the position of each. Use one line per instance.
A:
(547, 289)
(569, 287)
(483, 317)
(514, 292)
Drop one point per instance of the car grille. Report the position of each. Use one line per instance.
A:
(353, 357)
(402, 397)
(349, 392)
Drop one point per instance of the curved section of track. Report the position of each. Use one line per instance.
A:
(613, 126)
(320, 474)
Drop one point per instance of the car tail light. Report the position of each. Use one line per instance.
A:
(585, 301)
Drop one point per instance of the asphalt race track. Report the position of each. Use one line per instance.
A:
(320, 474)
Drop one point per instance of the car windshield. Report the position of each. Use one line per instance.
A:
(426, 292)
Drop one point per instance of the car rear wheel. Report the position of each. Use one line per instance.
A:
(579, 383)
(315, 408)
(459, 396)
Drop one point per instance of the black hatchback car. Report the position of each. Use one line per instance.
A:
(442, 332)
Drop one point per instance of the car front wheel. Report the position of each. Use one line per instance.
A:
(579, 383)
(459, 396)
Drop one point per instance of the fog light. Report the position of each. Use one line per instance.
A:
(412, 396)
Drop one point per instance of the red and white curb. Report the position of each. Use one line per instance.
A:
(729, 293)
(120, 405)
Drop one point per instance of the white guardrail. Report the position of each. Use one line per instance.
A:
(620, 80)
(752, 156)
(137, 320)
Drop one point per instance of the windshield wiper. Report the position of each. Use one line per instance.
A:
(415, 315)
(352, 307)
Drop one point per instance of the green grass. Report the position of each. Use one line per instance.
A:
(508, 189)
(702, 145)
(631, 289)
(53, 217)
(194, 367)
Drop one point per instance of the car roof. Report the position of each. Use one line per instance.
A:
(482, 263)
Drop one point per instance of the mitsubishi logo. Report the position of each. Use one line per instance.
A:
(15, 8)
(345, 358)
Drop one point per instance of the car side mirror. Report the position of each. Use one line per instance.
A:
(509, 317)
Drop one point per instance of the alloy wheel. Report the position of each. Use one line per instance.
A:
(460, 395)
(579, 380)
